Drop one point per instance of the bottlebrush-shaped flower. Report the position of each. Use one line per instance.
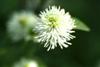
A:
(55, 29)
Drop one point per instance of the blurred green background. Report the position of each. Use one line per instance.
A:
(85, 51)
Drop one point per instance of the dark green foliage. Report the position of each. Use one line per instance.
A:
(85, 51)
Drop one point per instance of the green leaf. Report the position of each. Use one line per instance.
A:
(81, 25)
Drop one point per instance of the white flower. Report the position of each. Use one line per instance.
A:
(55, 28)
(26, 63)
(20, 25)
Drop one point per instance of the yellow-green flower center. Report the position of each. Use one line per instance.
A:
(53, 21)
(27, 65)
(23, 21)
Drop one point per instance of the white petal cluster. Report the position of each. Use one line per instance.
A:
(55, 28)
(20, 25)
(26, 63)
